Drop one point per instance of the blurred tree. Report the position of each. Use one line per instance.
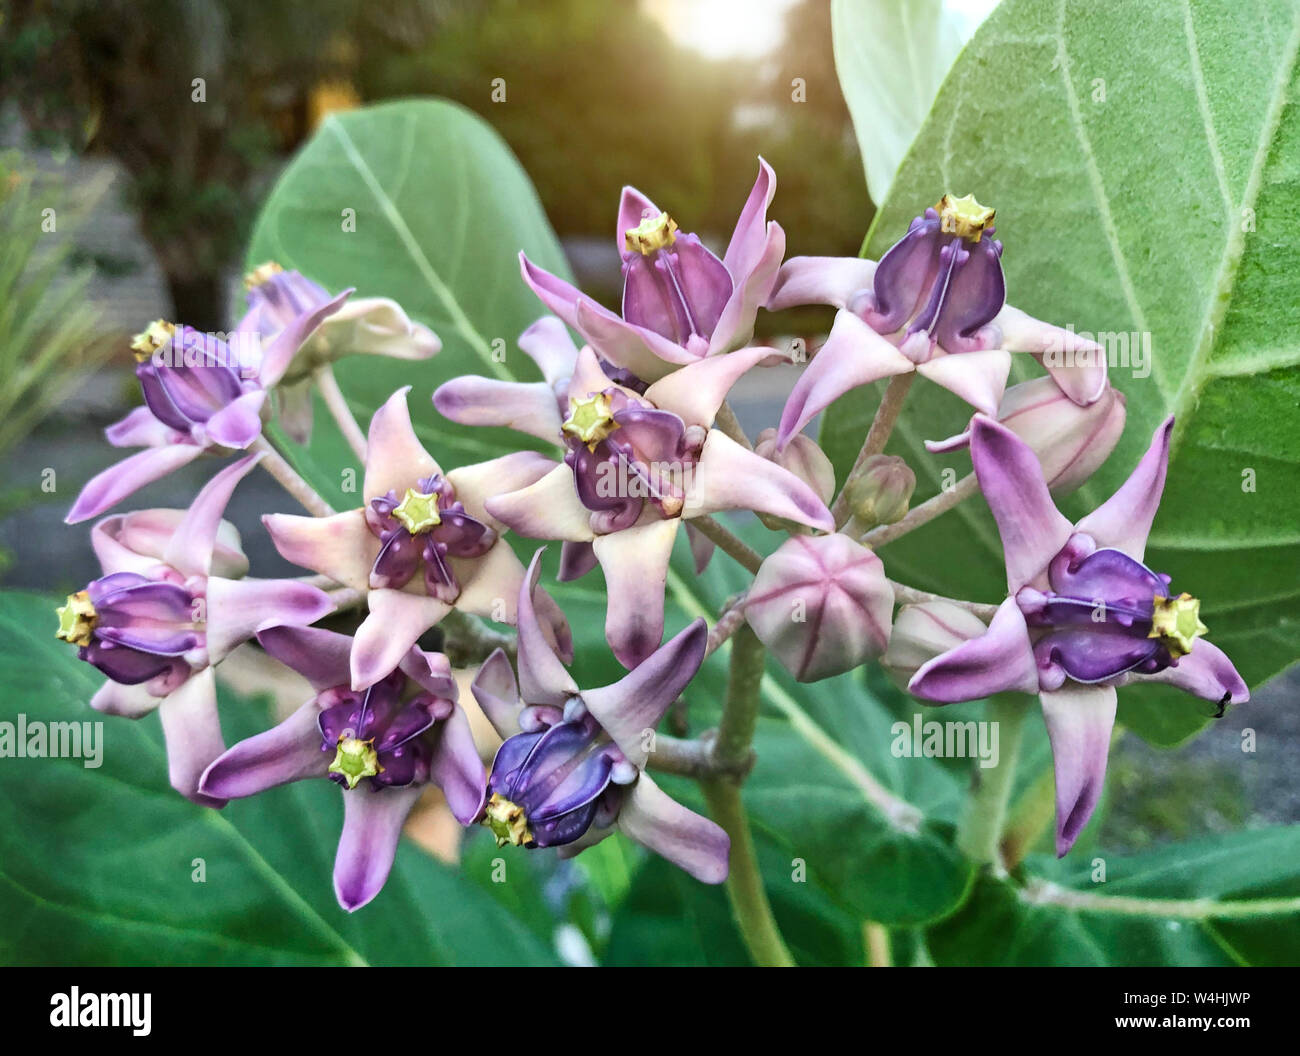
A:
(193, 97)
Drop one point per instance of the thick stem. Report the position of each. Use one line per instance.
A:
(980, 832)
(729, 544)
(1029, 819)
(923, 514)
(274, 463)
(732, 746)
(695, 758)
(875, 940)
(730, 620)
(877, 436)
(337, 403)
(728, 423)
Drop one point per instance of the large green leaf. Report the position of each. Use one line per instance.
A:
(1145, 173)
(891, 57)
(97, 864)
(441, 210)
(1231, 899)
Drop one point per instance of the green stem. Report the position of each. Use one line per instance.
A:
(1029, 819)
(891, 404)
(276, 464)
(337, 403)
(922, 514)
(728, 543)
(980, 831)
(732, 747)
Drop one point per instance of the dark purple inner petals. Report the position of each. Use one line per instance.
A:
(392, 724)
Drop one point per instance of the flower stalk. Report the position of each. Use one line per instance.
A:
(891, 405)
(289, 479)
(337, 403)
(980, 831)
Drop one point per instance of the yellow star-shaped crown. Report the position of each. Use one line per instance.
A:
(156, 335)
(507, 821)
(590, 420)
(263, 273)
(418, 512)
(1177, 623)
(77, 619)
(356, 759)
(652, 233)
(963, 216)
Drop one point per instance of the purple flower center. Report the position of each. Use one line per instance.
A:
(940, 283)
(135, 629)
(548, 787)
(375, 734)
(672, 285)
(623, 452)
(424, 528)
(1105, 614)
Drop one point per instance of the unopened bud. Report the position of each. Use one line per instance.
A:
(805, 460)
(923, 631)
(879, 490)
(822, 605)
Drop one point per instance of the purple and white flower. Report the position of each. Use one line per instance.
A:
(381, 745)
(572, 768)
(680, 302)
(160, 617)
(934, 304)
(1085, 615)
(422, 544)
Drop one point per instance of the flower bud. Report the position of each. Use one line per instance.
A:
(805, 460)
(921, 632)
(822, 605)
(1071, 442)
(879, 490)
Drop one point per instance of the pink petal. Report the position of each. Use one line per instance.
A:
(395, 458)
(396, 621)
(1124, 520)
(635, 563)
(238, 423)
(193, 733)
(735, 325)
(431, 672)
(291, 751)
(457, 769)
(1000, 659)
(372, 826)
(750, 237)
(1205, 672)
(236, 608)
(128, 702)
(277, 356)
(1032, 529)
(140, 429)
(853, 355)
(476, 483)
(655, 820)
(1079, 367)
(1079, 722)
(529, 407)
(124, 478)
(341, 547)
(631, 708)
(320, 656)
(979, 378)
(729, 477)
(497, 693)
(192, 545)
(820, 280)
(702, 548)
(547, 509)
(548, 344)
(543, 679)
(695, 392)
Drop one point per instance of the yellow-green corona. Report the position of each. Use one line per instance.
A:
(590, 420)
(261, 274)
(418, 511)
(651, 234)
(156, 335)
(355, 759)
(964, 217)
(507, 821)
(1177, 623)
(77, 619)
